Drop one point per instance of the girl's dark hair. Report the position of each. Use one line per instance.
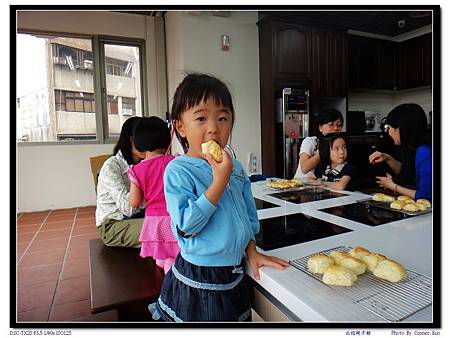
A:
(325, 144)
(326, 116)
(410, 118)
(124, 142)
(151, 133)
(194, 89)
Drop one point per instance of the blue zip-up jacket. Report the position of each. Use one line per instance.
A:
(209, 235)
(424, 173)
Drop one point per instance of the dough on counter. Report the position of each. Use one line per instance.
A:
(338, 275)
(410, 207)
(398, 205)
(338, 256)
(353, 264)
(378, 197)
(319, 263)
(390, 270)
(424, 202)
(371, 260)
(213, 148)
(358, 252)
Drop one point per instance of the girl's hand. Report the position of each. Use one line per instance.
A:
(378, 157)
(257, 260)
(221, 170)
(385, 182)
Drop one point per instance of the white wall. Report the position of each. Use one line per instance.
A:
(58, 176)
(384, 102)
(193, 45)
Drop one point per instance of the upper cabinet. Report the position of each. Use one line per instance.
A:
(381, 64)
(329, 62)
(292, 50)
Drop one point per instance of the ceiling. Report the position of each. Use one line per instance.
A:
(377, 22)
(385, 22)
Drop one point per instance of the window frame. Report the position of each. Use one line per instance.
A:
(99, 83)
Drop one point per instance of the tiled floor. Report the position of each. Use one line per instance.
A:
(53, 267)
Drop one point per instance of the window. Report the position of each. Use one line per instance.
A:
(56, 89)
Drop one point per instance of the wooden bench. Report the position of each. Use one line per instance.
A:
(122, 280)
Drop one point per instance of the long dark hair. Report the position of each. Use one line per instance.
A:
(194, 89)
(410, 118)
(325, 145)
(326, 116)
(124, 142)
(151, 133)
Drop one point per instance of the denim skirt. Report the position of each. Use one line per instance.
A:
(192, 293)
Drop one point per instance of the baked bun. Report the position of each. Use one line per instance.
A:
(421, 207)
(410, 207)
(337, 275)
(353, 264)
(390, 270)
(409, 201)
(388, 198)
(403, 197)
(319, 263)
(378, 197)
(371, 260)
(358, 252)
(398, 205)
(338, 256)
(213, 148)
(424, 202)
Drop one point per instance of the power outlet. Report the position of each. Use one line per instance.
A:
(252, 162)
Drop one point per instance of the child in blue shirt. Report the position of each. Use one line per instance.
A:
(213, 213)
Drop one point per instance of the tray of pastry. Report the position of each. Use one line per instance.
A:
(393, 297)
(401, 207)
(282, 184)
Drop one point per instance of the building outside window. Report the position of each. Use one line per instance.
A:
(58, 101)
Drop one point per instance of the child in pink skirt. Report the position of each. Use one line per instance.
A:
(152, 136)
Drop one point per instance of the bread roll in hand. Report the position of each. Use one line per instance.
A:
(213, 148)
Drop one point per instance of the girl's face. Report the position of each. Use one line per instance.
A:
(338, 151)
(136, 155)
(394, 133)
(331, 127)
(204, 122)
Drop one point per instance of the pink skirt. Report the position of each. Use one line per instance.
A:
(157, 239)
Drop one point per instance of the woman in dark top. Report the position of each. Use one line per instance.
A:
(407, 126)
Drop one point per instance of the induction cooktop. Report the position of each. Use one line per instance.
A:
(307, 195)
(279, 232)
(260, 204)
(364, 213)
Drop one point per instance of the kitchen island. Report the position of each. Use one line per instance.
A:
(302, 298)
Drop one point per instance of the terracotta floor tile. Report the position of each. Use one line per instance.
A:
(56, 225)
(70, 311)
(58, 212)
(35, 296)
(84, 222)
(51, 234)
(59, 218)
(28, 228)
(72, 290)
(38, 275)
(82, 239)
(26, 237)
(106, 316)
(42, 258)
(38, 315)
(77, 252)
(85, 216)
(48, 245)
(20, 249)
(88, 208)
(72, 269)
(90, 229)
(38, 214)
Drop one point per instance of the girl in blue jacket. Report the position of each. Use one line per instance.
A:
(213, 213)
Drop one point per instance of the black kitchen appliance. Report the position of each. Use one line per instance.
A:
(365, 213)
(260, 204)
(307, 195)
(279, 232)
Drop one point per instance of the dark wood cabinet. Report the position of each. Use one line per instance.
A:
(292, 51)
(415, 60)
(329, 59)
(381, 64)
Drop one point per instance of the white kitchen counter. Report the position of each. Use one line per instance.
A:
(408, 241)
